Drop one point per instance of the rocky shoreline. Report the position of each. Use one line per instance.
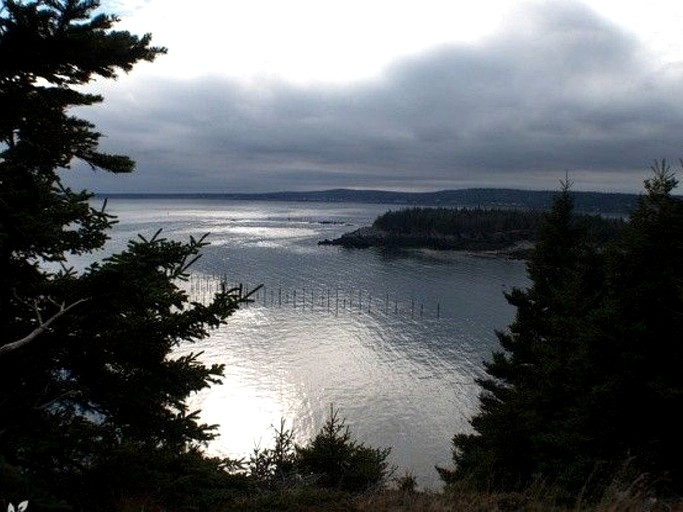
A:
(513, 244)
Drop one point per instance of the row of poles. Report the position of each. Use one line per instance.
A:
(203, 287)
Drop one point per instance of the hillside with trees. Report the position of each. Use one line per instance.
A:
(489, 198)
(508, 232)
(587, 386)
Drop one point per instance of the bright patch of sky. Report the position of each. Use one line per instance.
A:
(305, 41)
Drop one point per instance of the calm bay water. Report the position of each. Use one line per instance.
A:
(393, 340)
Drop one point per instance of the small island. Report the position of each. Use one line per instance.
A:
(509, 233)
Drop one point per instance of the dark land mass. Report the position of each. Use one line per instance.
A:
(585, 202)
(510, 233)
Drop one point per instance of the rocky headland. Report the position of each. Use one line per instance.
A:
(498, 232)
(515, 245)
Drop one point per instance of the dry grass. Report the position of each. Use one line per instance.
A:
(639, 496)
(422, 502)
(461, 501)
(643, 494)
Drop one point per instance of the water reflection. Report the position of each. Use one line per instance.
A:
(398, 352)
(398, 381)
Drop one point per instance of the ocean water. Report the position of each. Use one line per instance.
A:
(393, 340)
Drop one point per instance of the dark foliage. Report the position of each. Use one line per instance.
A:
(588, 378)
(338, 461)
(331, 460)
(460, 222)
(275, 468)
(468, 229)
(92, 394)
(478, 223)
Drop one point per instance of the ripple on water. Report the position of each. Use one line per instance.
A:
(401, 376)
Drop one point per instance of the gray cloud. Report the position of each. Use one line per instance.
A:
(559, 89)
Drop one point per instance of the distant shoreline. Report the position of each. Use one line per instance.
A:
(367, 237)
(585, 202)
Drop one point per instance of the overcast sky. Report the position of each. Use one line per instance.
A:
(266, 95)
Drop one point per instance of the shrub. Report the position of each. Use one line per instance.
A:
(331, 460)
(338, 461)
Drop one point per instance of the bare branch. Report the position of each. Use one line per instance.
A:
(42, 327)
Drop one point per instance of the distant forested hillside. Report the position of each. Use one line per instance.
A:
(471, 229)
(467, 223)
(586, 202)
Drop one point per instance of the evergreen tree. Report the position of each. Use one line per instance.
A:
(332, 459)
(336, 460)
(92, 399)
(588, 378)
(528, 380)
(636, 390)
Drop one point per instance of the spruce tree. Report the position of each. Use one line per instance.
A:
(589, 379)
(528, 380)
(636, 392)
(92, 397)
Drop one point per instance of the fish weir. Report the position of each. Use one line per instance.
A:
(335, 301)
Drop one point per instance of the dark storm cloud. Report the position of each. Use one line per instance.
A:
(559, 89)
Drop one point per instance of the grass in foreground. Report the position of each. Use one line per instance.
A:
(636, 498)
